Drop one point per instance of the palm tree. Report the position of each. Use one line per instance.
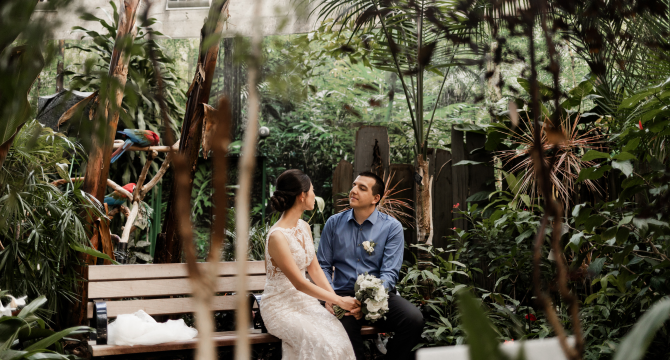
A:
(414, 37)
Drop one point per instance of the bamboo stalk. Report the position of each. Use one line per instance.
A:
(243, 196)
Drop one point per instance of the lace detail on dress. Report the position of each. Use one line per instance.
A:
(307, 329)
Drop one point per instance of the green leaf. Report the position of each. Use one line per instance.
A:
(482, 195)
(636, 342)
(593, 173)
(623, 156)
(524, 235)
(482, 336)
(593, 155)
(46, 342)
(625, 166)
(34, 305)
(92, 252)
(632, 181)
(631, 145)
(596, 266)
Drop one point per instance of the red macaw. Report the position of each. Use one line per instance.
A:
(117, 198)
(140, 138)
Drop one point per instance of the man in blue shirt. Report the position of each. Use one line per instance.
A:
(341, 250)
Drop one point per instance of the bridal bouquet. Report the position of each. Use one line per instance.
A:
(372, 294)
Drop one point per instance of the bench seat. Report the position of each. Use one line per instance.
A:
(226, 338)
(163, 289)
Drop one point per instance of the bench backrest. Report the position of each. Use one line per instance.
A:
(157, 284)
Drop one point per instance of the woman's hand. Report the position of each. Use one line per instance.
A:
(349, 303)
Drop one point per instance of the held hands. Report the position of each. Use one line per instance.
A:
(349, 303)
(354, 310)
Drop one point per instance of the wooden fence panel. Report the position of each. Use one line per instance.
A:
(342, 177)
(442, 197)
(365, 157)
(459, 176)
(480, 177)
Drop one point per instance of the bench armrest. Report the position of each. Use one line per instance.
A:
(99, 322)
(256, 318)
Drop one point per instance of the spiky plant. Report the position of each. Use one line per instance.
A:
(398, 208)
(566, 156)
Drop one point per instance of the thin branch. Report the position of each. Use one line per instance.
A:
(243, 196)
(118, 144)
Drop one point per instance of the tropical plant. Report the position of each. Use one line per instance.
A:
(25, 336)
(566, 160)
(21, 60)
(42, 228)
(409, 34)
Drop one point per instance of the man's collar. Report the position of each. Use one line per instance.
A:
(372, 218)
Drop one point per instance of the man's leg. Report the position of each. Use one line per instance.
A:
(353, 328)
(406, 322)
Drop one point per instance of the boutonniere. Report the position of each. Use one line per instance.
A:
(369, 246)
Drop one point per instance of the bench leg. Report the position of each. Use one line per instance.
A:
(99, 322)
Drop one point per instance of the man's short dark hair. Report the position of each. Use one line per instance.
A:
(379, 187)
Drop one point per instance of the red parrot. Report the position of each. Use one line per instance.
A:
(117, 198)
(141, 138)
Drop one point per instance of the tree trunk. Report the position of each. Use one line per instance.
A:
(107, 118)
(169, 251)
(232, 85)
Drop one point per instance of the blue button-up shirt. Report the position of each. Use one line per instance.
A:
(341, 247)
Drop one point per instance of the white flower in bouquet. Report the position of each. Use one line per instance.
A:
(372, 294)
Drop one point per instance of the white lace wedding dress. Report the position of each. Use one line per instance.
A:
(306, 328)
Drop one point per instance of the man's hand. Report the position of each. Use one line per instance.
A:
(356, 313)
(329, 307)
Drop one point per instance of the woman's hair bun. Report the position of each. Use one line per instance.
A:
(282, 201)
(290, 184)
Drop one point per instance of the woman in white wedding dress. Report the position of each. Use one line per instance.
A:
(290, 305)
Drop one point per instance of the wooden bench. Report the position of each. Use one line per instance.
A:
(160, 289)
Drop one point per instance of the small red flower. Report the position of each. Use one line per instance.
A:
(453, 228)
(508, 341)
(532, 317)
(457, 205)
(640, 125)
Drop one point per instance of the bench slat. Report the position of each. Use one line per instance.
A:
(163, 287)
(227, 338)
(162, 306)
(163, 271)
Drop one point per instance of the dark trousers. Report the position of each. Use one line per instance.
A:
(403, 319)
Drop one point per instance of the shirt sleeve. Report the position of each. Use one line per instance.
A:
(325, 252)
(393, 256)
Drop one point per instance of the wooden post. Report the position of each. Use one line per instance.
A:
(459, 176)
(442, 197)
(341, 184)
(169, 251)
(404, 176)
(365, 158)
